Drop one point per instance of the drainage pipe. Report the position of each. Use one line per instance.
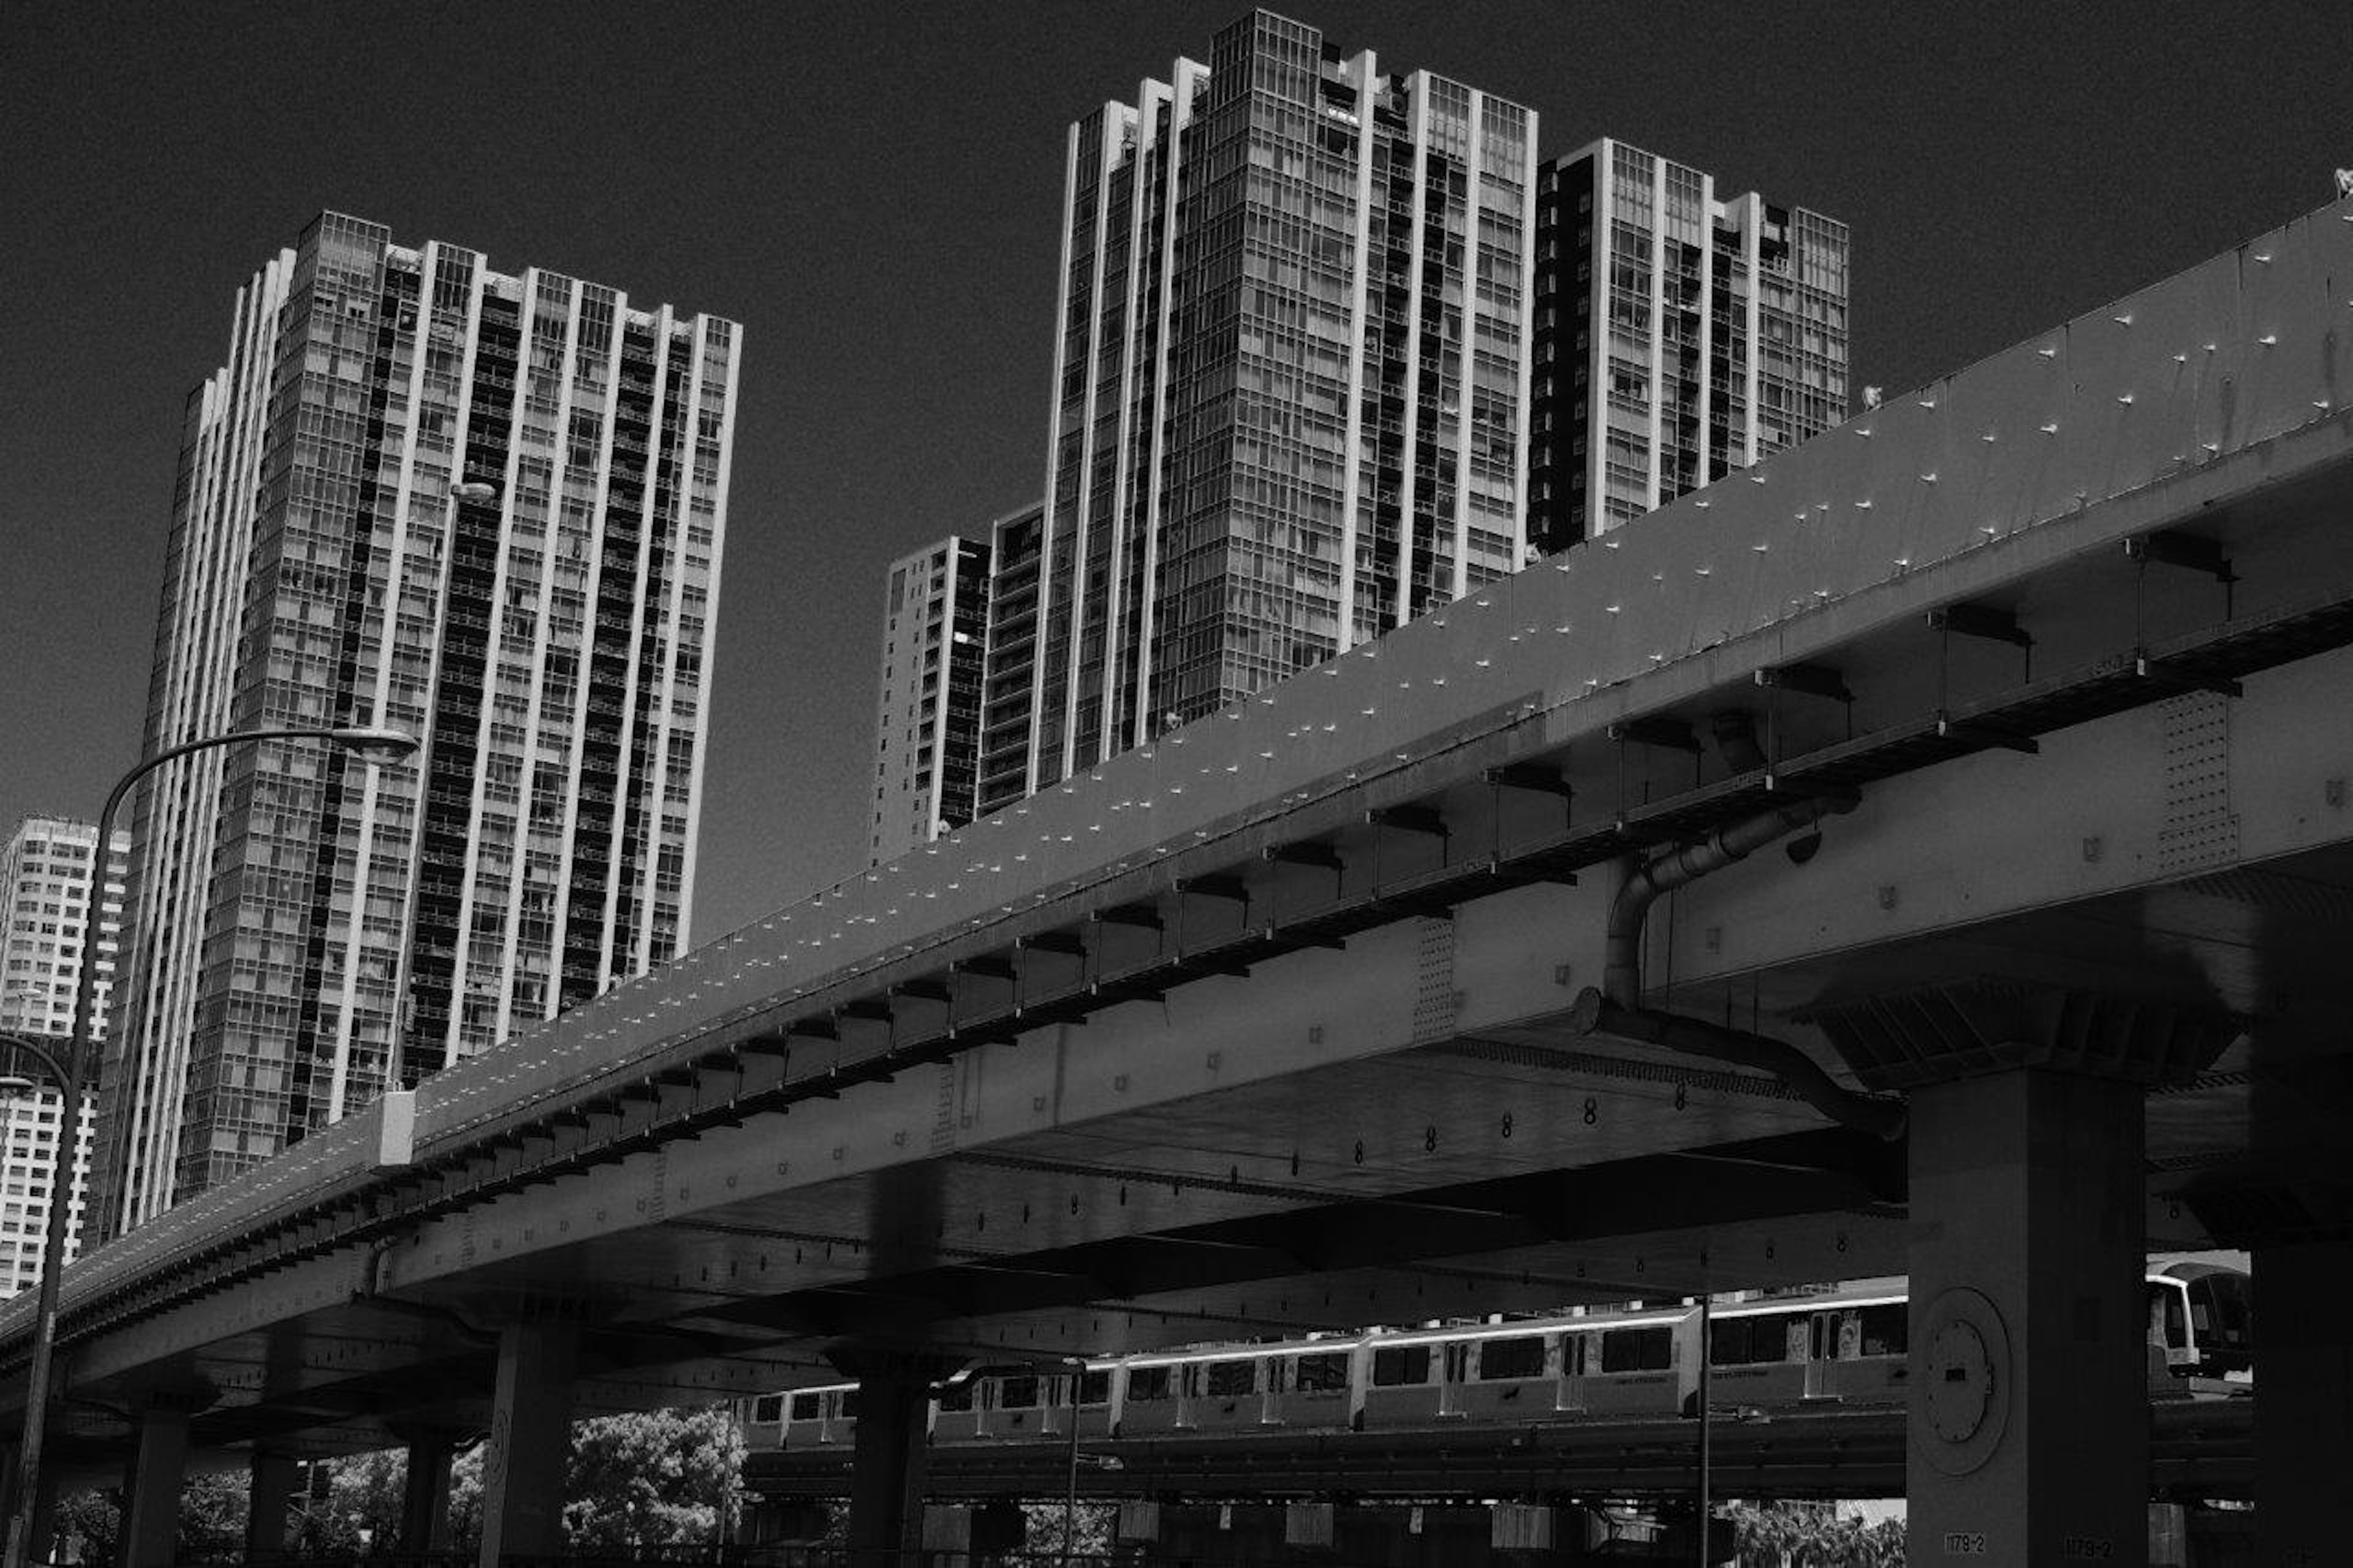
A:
(1595, 1013)
(1616, 1007)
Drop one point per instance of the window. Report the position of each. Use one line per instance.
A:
(1146, 1384)
(805, 1406)
(1326, 1374)
(1016, 1393)
(1230, 1379)
(1399, 1365)
(1637, 1349)
(767, 1409)
(1882, 1330)
(1520, 1357)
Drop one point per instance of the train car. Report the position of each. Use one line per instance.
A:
(1846, 1345)
(2203, 1315)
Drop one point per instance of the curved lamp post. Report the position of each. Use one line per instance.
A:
(370, 742)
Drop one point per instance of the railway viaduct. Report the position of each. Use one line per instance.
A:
(1927, 852)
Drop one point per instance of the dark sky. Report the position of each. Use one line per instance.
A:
(871, 190)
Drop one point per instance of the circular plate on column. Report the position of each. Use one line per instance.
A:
(1962, 1402)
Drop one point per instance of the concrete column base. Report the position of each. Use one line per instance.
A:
(531, 1440)
(150, 1487)
(425, 1494)
(2028, 1426)
(273, 1481)
(894, 1447)
(2303, 1402)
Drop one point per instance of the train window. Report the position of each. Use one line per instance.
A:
(1145, 1384)
(1728, 1340)
(849, 1404)
(1229, 1379)
(768, 1408)
(1095, 1386)
(955, 1396)
(2231, 1304)
(1397, 1364)
(1882, 1330)
(1756, 1342)
(805, 1406)
(1320, 1373)
(1016, 1393)
(1637, 1349)
(1521, 1357)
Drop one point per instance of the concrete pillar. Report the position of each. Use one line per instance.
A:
(2304, 1401)
(42, 1534)
(2029, 1424)
(888, 1465)
(531, 1439)
(151, 1485)
(274, 1479)
(425, 1494)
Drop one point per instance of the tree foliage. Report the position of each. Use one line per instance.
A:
(661, 1478)
(656, 1479)
(1812, 1535)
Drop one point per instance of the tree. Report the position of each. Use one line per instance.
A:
(1096, 1524)
(1812, 1535)
(661, 1478)
(211, 1526)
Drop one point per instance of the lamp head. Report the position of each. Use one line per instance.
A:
(375, 743)
(14, 1084)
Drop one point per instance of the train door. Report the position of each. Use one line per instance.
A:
(1095, 1413)
(2168, 1324)
(1575, 1350)
(1456, 1364)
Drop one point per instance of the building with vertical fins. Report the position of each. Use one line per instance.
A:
(51, 872)
(1680, 336)
(927, 731)
(1291, 397)
(484, 508)
(1009, 682)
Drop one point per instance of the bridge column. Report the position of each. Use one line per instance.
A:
(272, 1480)
(42, 1535)
(425, 1493)
(151, 1480)
(531, 1439)
(893, 1447)
(2029, 1424)
(2304, 1401)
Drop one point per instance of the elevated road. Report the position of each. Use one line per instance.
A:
(1273, 1025)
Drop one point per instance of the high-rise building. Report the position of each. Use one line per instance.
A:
(1291, 399)
(927, 733)
(50, 874)
(1009, 690)
(1678, 336)
(485, 509)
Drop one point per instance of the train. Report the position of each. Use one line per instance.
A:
(1846, 1344)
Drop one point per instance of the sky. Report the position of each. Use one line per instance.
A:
(871, 190)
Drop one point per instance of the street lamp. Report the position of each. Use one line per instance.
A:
(370, 743)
